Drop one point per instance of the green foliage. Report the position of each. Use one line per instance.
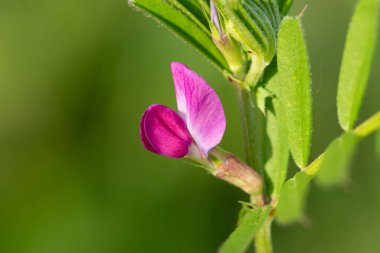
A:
(277, 150)
(240, 239)
(253, 118)
(368, 126)
(292, 198)
(284, 6)
(295, 92)
(339, 151)
(184, 20)
(254, 24)
(335, 166)
(277, 113)
(356, 62)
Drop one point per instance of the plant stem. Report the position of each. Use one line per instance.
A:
(364, 129)
(253, 122)
(263, 239)
(254, 127)
(368, 126)
(247, 118)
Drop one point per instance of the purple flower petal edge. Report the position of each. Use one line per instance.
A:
(199, 105)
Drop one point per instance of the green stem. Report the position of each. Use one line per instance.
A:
(263, 239)
(253, 122)
(254, 127)
(364, 129)
(247, 118)
(368, 126)
(252, 130)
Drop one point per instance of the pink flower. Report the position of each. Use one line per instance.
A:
(197, 127)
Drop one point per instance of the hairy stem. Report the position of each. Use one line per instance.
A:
(253, 122)
(247, 118)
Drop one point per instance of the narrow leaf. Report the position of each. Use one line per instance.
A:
(295, 93)
(185, 23)
(292, 198)
(277, 150)
(243, 235)
(284, 6)
(335, 167)
(356, 63)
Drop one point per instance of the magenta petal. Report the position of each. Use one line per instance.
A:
(164, 132)
(145, 141)
(200, 106)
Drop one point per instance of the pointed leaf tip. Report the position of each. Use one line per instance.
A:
(356, 63)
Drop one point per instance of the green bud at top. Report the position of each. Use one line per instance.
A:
(226, 44)
(254, 25)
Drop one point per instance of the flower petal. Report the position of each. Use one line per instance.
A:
(163, 132)
(144, 139)
(200, 106)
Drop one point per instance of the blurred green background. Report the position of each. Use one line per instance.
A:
(75, 77)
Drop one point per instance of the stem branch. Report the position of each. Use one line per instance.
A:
(363, 130)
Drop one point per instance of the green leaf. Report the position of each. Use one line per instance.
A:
(295, 92)
(292, 198)
(262, 97)
(356, 63)
(243, 235)
(186, 23)
(335, 167)
(277, 150)
(253, 24)
(284, 6)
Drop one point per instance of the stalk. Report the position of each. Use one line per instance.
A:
(247, 118)
(254, 129)
(263, 239)
(254, 126)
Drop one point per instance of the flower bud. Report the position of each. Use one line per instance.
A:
(253, 24)
(225, 43)
(229, 168)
